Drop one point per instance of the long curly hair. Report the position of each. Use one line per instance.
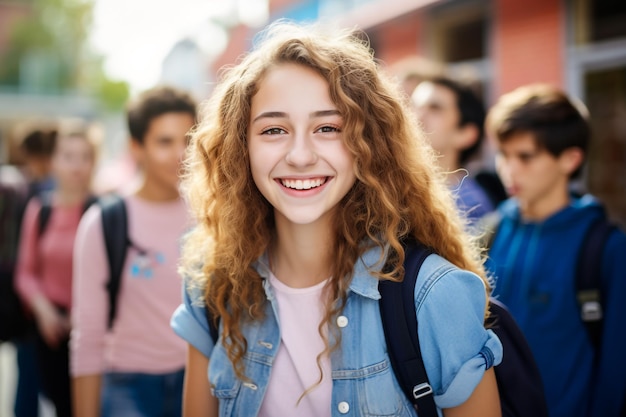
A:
(399, 192)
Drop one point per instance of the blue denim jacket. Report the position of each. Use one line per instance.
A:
(456, 348)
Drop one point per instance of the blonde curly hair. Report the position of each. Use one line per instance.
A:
(398, 192)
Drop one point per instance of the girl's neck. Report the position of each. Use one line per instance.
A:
(151, 191)
(300, 256)
(66, 197)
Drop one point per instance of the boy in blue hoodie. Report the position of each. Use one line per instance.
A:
(542, 138)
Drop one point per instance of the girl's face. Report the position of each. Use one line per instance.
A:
(73, 163)
(298, 158)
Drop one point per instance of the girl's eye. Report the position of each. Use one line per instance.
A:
(274, 131)
(328, 129)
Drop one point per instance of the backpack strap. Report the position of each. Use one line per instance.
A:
(213, 330)
(44, 213)
(589, 278)
(399, 318)
(115, 228)
(46, 209)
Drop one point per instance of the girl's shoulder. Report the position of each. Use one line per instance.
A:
(440, 282)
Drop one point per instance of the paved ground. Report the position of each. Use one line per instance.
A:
(8, 378)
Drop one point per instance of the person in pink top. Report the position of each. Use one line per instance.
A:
(135, 367)
(44, 266)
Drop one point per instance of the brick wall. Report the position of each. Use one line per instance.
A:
(528, 43)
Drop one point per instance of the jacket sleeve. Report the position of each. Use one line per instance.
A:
(456, 347)
(190, 322)
(609, 388)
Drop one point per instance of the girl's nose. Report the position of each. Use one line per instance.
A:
(301, 152)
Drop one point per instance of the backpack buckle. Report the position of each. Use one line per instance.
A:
(422, 390)
(591, 311)
(590, 306)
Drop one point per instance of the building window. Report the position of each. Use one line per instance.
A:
(598, 20)
(607, 19)
(459, 32)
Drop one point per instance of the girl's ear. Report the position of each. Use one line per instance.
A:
(571, 159)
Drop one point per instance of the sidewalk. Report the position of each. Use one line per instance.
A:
(8, 379)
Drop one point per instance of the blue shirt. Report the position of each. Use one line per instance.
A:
(534, 264)
(472, 200)
(456, 348)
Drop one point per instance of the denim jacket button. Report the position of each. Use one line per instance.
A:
(343, 407)
(342, 321)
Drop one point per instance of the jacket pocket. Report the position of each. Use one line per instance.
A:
(376, 390)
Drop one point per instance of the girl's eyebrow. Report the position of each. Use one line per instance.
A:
(283, 115)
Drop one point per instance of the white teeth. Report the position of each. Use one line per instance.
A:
(303, 184)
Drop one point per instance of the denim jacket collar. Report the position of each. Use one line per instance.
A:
(363, 283)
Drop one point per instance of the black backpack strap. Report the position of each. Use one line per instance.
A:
(399, 318)
(91, 200)
(589, 278)
(44, 213)
(46, 210)
(115, 228)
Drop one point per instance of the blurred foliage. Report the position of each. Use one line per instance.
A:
(48, 52)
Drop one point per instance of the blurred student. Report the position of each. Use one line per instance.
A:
(44, 267)
(136, 367)
(30, 179)
(453, 117)
(542, 138)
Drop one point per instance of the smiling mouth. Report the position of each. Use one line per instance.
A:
(305, 184)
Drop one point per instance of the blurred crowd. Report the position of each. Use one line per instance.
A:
(91, 326)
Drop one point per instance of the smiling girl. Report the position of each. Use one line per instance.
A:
(305, 175)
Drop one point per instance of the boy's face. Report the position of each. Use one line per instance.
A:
(437, 110)
(161, 153)
(530, 173)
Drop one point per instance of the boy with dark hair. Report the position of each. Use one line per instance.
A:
(453, 117)
(542, 138)
(134, 364)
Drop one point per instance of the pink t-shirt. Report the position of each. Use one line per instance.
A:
(141, 339)
(45, 261)
(300, 311)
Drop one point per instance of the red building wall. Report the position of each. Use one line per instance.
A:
(528, 43)
(399, 38)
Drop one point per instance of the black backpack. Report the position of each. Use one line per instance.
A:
(589, 292)
(519, 382)
(490, 182)
(13, 320)
(116, 241)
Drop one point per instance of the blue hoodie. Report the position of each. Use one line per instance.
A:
(534, 265)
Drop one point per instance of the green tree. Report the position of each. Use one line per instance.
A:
(48, 53)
